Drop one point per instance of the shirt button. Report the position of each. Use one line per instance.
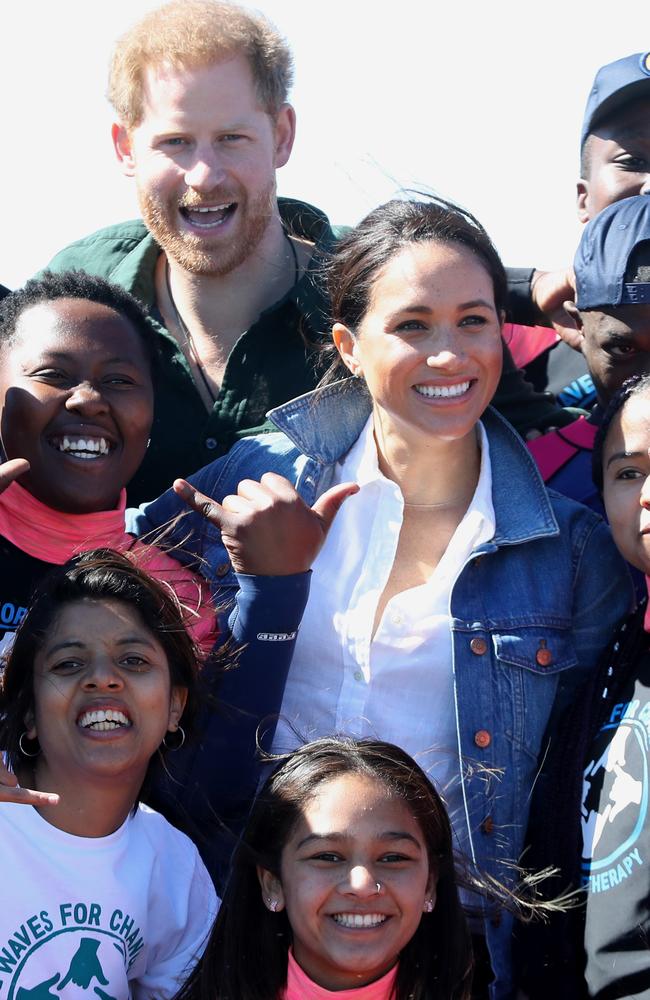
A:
(211, 443)
(487, 826)
(358, 676)
(222, 569)
(543, 655)
(482, 739)
(478, 645)
(397, 619)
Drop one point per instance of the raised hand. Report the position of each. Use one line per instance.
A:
(550, 290)
(266, 527)
(11, 470)
(10, 791)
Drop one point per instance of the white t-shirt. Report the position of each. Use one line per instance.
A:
(109, 917)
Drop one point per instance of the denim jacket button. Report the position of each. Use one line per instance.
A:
(222, 569)
(482, 739)
(543, 655)
(487, 826)
(478, 646)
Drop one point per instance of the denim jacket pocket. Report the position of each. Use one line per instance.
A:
(541, 648)
(531, 662)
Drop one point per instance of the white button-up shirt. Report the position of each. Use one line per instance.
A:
(398, 684)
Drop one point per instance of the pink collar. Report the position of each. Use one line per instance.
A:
(301, 987)
(52, 535)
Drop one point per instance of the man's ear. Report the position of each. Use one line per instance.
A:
(123, 148)
(582, 190)
(284, 129)
(574, 338)
(347, 346)
(272, 893)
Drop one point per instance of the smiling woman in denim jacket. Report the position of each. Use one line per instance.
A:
(456, 605)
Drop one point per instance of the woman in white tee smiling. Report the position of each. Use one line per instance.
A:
(98, 891)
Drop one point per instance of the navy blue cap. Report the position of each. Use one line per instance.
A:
(616, 84)
(605, 249)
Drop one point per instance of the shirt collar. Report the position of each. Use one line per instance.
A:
(361, 465)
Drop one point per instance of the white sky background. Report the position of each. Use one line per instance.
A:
(480, 101)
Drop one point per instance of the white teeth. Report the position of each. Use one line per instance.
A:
(84, 447)
(102, 720)
(359, 919)
(210, 208)
(443, 390)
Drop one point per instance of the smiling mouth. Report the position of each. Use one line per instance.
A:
(444, 391)
(103, 720)
(355, 920)
(87, 448)
(208, 216)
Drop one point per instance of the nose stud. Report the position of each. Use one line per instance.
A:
(378, 884)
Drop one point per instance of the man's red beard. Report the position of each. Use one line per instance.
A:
(202, 255)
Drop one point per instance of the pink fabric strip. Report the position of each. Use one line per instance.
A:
(646, 619)
(54, 536)
(301, 987)
(528, 342)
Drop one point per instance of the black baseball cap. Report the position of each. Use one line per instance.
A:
(607, 244)
(616, 84)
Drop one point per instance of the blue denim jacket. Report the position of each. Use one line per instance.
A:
(530, 612)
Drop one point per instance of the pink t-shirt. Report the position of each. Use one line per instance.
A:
(301, 987)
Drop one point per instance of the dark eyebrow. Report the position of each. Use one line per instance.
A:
(426, 311)
(416, 308)
(477, 302)
(70, 644)
(69, 355)
(623, 454)
(79, 644)
(388, 835)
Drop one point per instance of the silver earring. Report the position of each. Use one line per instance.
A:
(273, 904)
(24, 752)
(428, 906)
(168, 746)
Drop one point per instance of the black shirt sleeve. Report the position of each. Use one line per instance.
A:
(521, 308)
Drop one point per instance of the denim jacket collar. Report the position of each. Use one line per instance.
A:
(325, 423)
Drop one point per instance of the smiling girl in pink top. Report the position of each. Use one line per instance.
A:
(344, 886)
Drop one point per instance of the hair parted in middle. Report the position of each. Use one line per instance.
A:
(246, 957)
(96, 575)
(186, 34)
